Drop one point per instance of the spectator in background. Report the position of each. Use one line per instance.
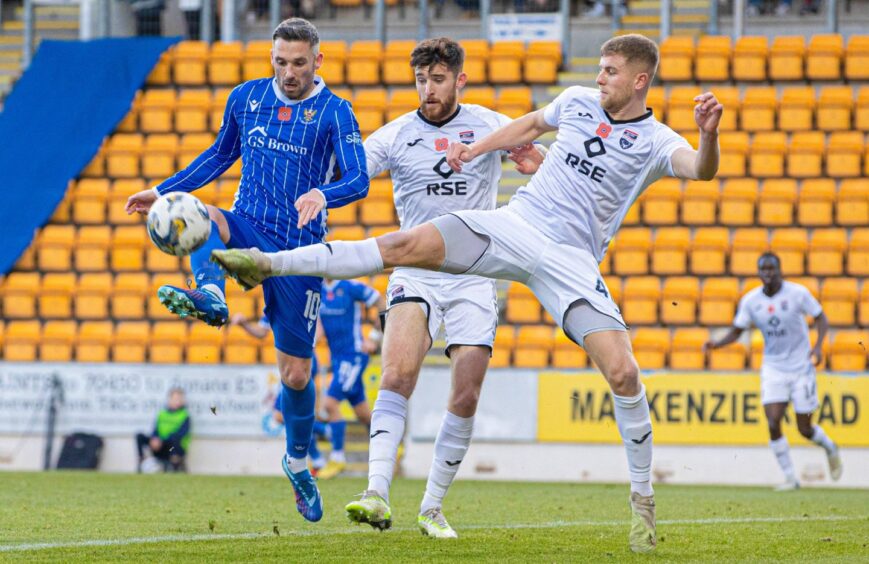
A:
(170, 439)
(147, 14)
(193, 16)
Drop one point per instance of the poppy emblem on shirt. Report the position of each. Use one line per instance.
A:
(330, 296)
(628, 139)
(771, 308)
(285, 113)
(308, 115)
(604, 130)
(441, 144)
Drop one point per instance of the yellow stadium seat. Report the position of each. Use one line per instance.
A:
(686, 352)
(56, 294)
(677, 59)
(54, 245)
(161, 73)
(863, 306)
(158, 261)
(377, 212)
(816, 202)
(217, 108)
(257, 62)
(188, 63)
(57, 341)
(767, 154)
(738, 201)
(192, 110)
(845, 153)
(62, 213)
(363, 63)
(122, 155)
(345, 215)
(656, 99)
(734, 148)
(680, 108)
(505, 340)
(514, 101)
(857, 58)
(796, 108)
(128, 244)
(91, 249)
(839, 300)
(824, 57)
(89, 201)
(709, 251)
(827, 252)
(749, 58)
(861, 109)
(21, 341)
(158, 155)
(640, 302)
(633, 215)
(566, 353)
(651, 346)
(729, 97)
(369, 105)
(476, 60)
(806, 154)
(128, 295)
(718, 301)
(542, 61)
(224, 63)
(19, 295)
(192, 144)
(96, 168)
(858, 253)
(791, 245)
(347, 233)
(481, 95)
(700, 202)
(156, 110)
(713, 58)
(759, 108)
(670, 252)
(401, 101)
(130, 123)
(533, 346)
(679, 299)
(204, 344)
(786, 58)
(660, 202)
(396, 62)
(240, 347)
(92, 296)
(93, 341)
(334, 59)
(834, 108)
(777, 202)
(130, 341)
(631, 251)
(732, 357)
(522, 305)
(168, 340)
(505, 62)
(852, 202)
(848, 351)
(747, 246)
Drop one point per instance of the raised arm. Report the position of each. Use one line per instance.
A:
(701, 164)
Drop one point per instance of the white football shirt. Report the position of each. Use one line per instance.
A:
(414, 150)
(594, 170)
(781, 320)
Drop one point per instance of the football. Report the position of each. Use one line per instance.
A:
(178, 223)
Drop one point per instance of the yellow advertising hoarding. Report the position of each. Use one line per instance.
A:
(695, 408)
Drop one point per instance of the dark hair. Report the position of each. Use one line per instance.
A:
(439, 50)
(297, 29)
(771, 256)
(634, 48)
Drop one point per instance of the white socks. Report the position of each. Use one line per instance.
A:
(297, 464)
(450, 448)
(337, 456)
(819, 437)
(387, 429)
(635, 427)
(337, 259)
(783, 456)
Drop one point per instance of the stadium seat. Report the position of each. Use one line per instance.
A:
(791, 245)
(505, 62)
(857, 263)
(192, 110)
(827, 252)
(345, 215)
(651, 346)
(759, 108)
(522, 305)
(224, 63)
(660, 202)
(857, 58)
(824, 57)
(401, 101)
(161, 74)
(128, 296)
(369, 106)
(566, 353)
(257, 64)
(505, 341)
(677, 59)
(476, 60)
(396, 62)
(834, 108)
(240, 347)
(640, 302)
(128, 244)
(168, 340)
(738, 201)
(670, 251)
(734, 148)
(130, 122)
(709, 251)
(816, 202)
(844, 154)
(730, 97)
(656, 99)
(375, 211)
(749, 58)
(122, 155)
(861, 109)
(19, 295)
(56, 294)
(786, 58)
(96, 168)
(158, 155)
(192, 144)
(766, 159)
(217, 108)
(92, 296)
(89, 202)
(57, 341)
(533, 346)
(797, 109)
(158, 261)
(156, 109)
(806, 154)
(54, 247)
(732, 358)
(700, 202)
(632, 217)
(852, 202)
(848, 351)
(347, 233)
(93, 341)
(713, 58)
(839, 300)
(777, 202)
(514, 101)
(863, 306)
(21, 341)
(747, 246)
(542, 61)
(631, 251)
(62, 213)
(188, 63)
(334, 59)
(130, 341)
(686, 352)
(363, 63)
(481, 95)
(718, 300)
(679, 299)
(204, 344)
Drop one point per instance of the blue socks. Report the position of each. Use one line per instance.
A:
(206, 272)
(338, 431)
(297, 407)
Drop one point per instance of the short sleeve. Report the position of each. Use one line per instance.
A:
(377, 151)
(667, 142)
(742, 320)
(808, 304)
(552, 112)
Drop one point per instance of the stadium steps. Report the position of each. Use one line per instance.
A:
(689, 17)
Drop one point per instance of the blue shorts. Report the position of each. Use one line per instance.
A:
(288, 298)
(348, 378)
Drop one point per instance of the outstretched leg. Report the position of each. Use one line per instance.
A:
(779, 444)
(817, 435)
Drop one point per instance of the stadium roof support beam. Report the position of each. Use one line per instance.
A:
(485, 12)
(832, 16)
(27, 46)
(738, 18)
(274, 14)
(666, 18)
(228, 21)
(564, 8)
(422, 32)
(207, 18)
(380, 20)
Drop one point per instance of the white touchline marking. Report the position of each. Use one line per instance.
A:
(26, 547)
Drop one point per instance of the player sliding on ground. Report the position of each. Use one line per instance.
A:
(554, 232)
(787, 373)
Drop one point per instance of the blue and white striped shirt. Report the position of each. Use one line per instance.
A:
(287, 148)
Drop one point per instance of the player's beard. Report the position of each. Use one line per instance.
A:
(441, 110)
(614, 102)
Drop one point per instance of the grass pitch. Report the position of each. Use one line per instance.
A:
(103, 517)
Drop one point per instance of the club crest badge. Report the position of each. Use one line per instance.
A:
(308, 115)
(628, 139)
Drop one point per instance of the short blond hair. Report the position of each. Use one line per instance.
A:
(634, 48)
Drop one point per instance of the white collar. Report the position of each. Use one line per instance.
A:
(319, 85)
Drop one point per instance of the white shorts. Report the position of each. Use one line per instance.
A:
(467, 306)
(559, 275)
(799, 389)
